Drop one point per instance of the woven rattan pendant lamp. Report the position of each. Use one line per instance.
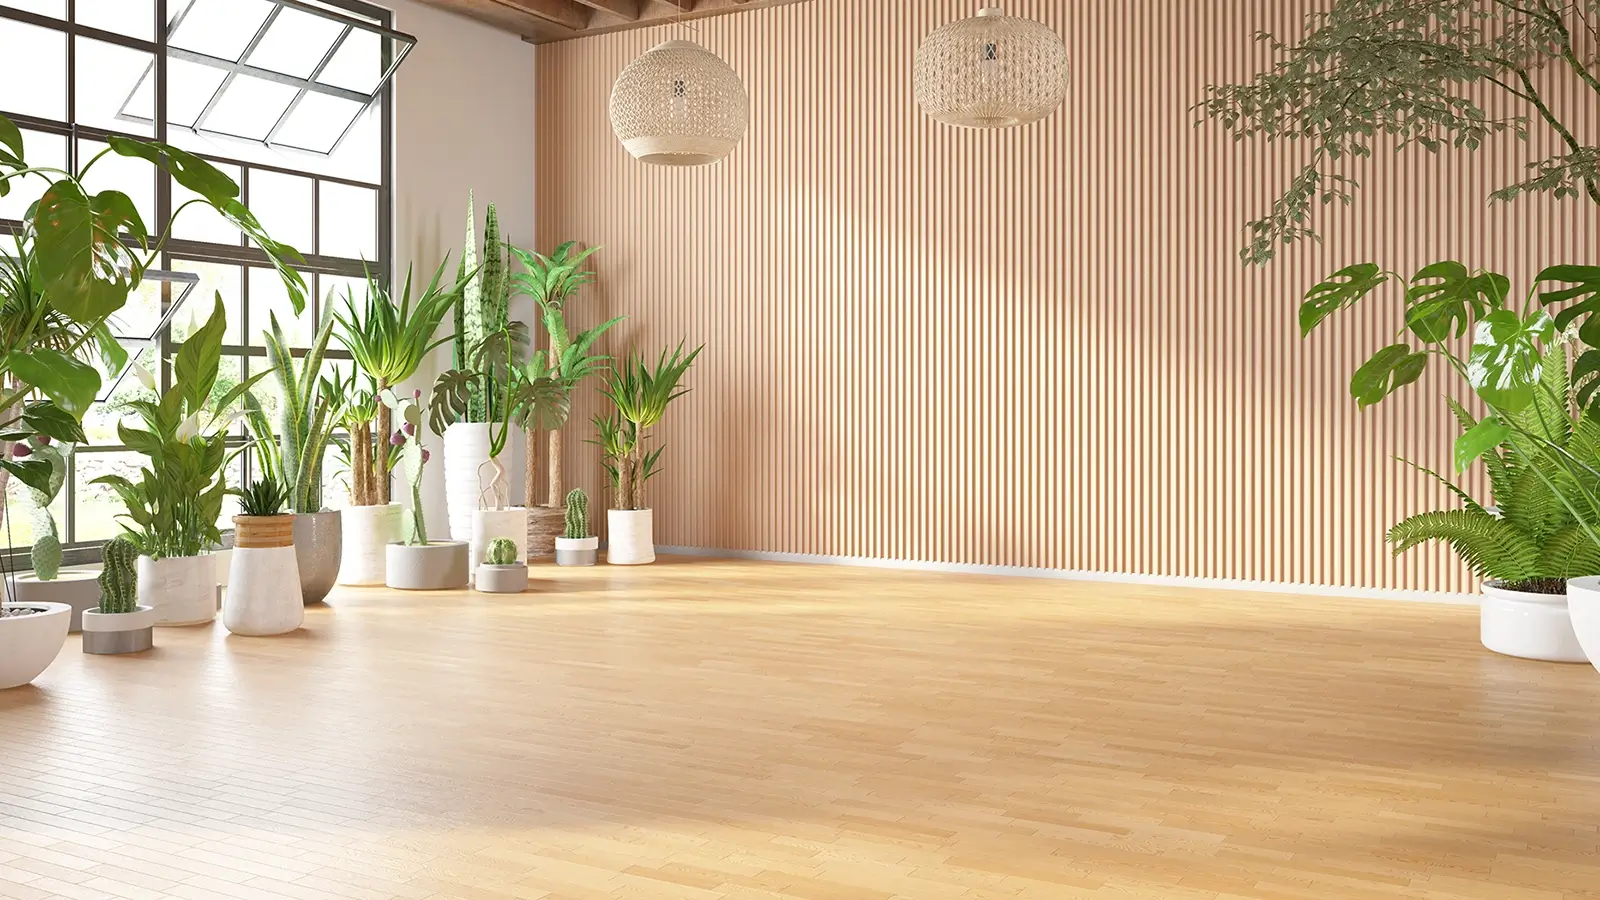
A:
(991, 71)
(679, 105)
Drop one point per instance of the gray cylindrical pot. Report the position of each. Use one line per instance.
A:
(79, 590)
(576, 551)
(114, 633)
(435, 566)
(511, 579)
(318, 543)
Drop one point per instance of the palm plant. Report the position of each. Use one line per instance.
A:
(641, 395)
(389, 341)
(294, 454)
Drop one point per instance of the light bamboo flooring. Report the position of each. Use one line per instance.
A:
(699, 730)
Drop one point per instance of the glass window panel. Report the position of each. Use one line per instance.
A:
(22, 518)
(56, 9)
(296, 43)
(96, 506)
(283, 204)
(359, 157)
(318, 122)
(141, 315)
(219, 28)
(359, 63)
(249, 107)
(134, 18)
(233, 476)
(349, 221)
(107, 76)
(214, 279)
(190, 87)
(201, 222)
(267, 297)
(40, 149)
(100, 422)
(134, 177)
(331, 291)
(33, 70)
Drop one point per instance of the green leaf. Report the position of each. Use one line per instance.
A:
(34, 473)
(72, 384)
(1444, 299)
(1505, 364)
(1390, 369)
(1585, 289)
(194, 370)
(78, 252)
(1586, 381)
(1341, 289)
(1478, 440)
(47, 418)
(187, 169)
(11, 137)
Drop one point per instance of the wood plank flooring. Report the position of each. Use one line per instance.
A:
(706, 729)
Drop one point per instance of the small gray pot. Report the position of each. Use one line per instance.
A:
(114, 633)
(576, 551)
(434, 566)
(79, 590)
(318, 543)
(512, 579)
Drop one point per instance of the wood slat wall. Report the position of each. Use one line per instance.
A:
(1033, 347)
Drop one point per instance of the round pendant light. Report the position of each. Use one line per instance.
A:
(991, 71)
(679, 105)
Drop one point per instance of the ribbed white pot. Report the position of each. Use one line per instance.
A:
(488, 524)
(182, 589)
(1583, 606)
(29, 644)
(466, 447)
(1527, 625)
(264, 595)
(368, 531)
(630, 537)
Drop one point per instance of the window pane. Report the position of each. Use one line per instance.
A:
(331, 291)
(201, 222)
(33, 70)
(96, 505)
(54, 8)
(134, 177)
(134, 18)
(40, 149)
(190, 87)
(268, 296)
(219, 28)
(284, 205)
(100, 422)
(349, 221)
(249, 107)
(233, 476)
(360, 63)
(107, 76)
(214, 279)
(318, 122)
(296, 43)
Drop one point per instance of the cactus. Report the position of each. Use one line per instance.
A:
(577, 515)
(119, 579)
(47, 557)
(47, 547)
(502, 552)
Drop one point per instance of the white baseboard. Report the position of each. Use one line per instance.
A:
(1227, 584)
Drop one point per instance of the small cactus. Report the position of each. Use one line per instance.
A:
(119, 579)
(502, 552)
(577, 515)
(47, 557)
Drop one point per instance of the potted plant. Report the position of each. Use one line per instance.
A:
(118, 624)
(264, 580)
(48, 584)
(641, 395)
(552, 281)
(500, 572)
(389, 341)
(418, 564)
(293, 455)
(577, 547)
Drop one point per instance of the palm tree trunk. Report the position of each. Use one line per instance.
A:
(530, 465)
(553, 448)
(380, 487)
(361, 465)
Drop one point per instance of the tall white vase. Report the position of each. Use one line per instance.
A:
(630, 537)
(368, 531)
(181, 589)
(466, 447)
(1583, 603)
(264, 592)
(488, 524)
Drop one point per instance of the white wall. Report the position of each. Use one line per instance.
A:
(464, 120)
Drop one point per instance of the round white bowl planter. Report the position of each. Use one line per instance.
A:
(78, 590)
(181, 589)
(508, 579)
(576, 551)
(114, 633)
(466, 447)
(434, 566)
(1528, 625)
(368, 531)
(631, 537)
(487, 524)
(264, 595)
(1583, 604)
(29, 643)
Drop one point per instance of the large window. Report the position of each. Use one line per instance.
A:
(315, 169)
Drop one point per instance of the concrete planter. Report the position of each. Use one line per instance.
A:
(79, 590)
(367, 532)
(1527, 625)
(435, 566)
(630, 540)
(466, 448)
(488, 524)
(181, 589)
(577, 551)
(318, 544)
(512, 579)
(30, 643)
(115, 633)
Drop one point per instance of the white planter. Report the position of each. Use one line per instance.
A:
(488, 524)
(115, 633)
(576, 551)
(264, 595)
(29, 644)
(79, 590)
(630, 540)
(1530, 626)
(224, 560)
(1583, 605)
(466, 447)
(367, 531)
(512, 579)
(434, 566)
(182, 589)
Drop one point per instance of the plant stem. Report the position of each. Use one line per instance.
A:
(380, 487)
(1589, 186)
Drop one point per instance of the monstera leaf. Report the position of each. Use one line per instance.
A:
(1389, 370)
(1445, 298)
(69, 382)
(83, 266)
(1585, 290)
(1343, 288)
(1504, 367)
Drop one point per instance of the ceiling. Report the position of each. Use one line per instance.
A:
(547, 21)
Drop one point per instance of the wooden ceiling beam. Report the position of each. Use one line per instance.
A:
(565, 13)
(493, 12)
(548, 21)
(627, 10)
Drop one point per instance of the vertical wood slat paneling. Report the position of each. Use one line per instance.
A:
(1033, 347)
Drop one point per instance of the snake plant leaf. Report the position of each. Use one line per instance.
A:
(1446, 297)
(44, 417)
(1390, 369)
(1478, 440)
(1341, 289)
(1584, 289)
(70, 383)
(1505, 364)
(34, 473)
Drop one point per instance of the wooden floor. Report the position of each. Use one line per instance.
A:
(746, 730)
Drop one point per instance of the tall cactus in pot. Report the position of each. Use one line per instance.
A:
(119, 579)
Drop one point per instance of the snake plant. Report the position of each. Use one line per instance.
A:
(312, 406)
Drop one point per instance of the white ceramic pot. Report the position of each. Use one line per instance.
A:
(576, 551)
(30, 643)
(224, 558)
(512, 579)
(488, 524)
(264, 595)
(367, 531)
(182, 589)
(630, 538)
(1526, 625)
(434, 566)
(466, 447)
(115, 633)
(1583, 606)
(79, 590)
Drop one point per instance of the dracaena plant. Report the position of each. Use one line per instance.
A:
(293, 454)
(640, 394)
